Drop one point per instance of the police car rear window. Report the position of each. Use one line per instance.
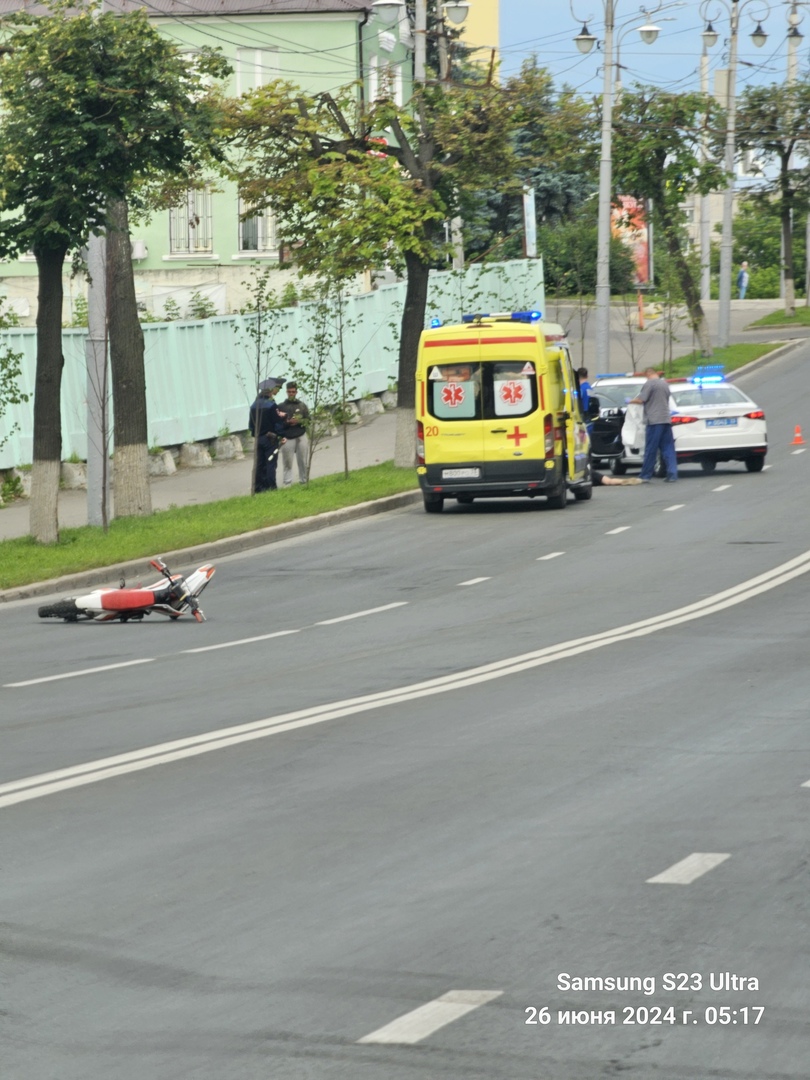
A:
(482, 391)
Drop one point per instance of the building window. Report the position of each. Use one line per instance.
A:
(384, 81)
(190, 225)
(254, 68)
(257, 231)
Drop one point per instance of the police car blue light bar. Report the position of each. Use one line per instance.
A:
(515, 316)
(708, 374)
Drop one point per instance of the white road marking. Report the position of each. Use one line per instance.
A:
(806, 783)
(360, 614)
(242, 641)
(418, 1024)
(84, 671)
(764, 467)
(689, 869)
(801, 450)
(676, 506)
(621, 528)
(36, 787)
(474, 581)
(551, 555)
(723, 487)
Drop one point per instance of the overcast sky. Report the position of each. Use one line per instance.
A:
(547, 28)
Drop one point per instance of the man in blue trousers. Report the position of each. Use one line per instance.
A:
(654, 396)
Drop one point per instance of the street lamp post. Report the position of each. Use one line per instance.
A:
(585, 41)
(734, 9)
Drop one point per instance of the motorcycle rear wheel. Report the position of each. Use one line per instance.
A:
(62, 609)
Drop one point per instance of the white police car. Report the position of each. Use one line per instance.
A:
(712, 421)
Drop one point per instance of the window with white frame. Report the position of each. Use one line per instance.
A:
(255, 67)
(190, 226)
(257, 230)
(385, 81)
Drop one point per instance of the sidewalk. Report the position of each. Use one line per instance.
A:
(369, 443)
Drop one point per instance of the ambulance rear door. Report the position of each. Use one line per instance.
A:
(453, 423)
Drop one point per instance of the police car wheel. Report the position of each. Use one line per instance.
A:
(433, 504)
(755, 464)
(708, 466)
(617, 467)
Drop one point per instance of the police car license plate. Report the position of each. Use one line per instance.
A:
(723, 421)
(460, 474)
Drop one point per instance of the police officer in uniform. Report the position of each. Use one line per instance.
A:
(267, 426)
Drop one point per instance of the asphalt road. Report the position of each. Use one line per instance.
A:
(426, 768)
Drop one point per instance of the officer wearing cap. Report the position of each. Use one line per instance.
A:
(267, 426)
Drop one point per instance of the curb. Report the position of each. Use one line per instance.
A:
(229, 545)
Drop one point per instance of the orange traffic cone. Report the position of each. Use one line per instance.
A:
(797, 437)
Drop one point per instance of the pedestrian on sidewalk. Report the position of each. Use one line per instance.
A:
(296, 445)
(742, 280)
(654, 396)
(267, 426)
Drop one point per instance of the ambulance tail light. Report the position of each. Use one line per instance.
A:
(757, 414)
(684, 420)
(548, 435)
(420, 443)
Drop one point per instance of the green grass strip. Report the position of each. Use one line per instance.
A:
(779, 318)
(23, 561)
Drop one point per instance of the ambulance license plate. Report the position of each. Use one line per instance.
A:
(723, 421)
(461, 474)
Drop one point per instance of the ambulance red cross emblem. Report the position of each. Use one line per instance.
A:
(518, 436)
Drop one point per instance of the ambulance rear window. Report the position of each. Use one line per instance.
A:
(486, 391)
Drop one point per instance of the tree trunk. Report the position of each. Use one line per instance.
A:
(133, 497)
(413, 322)
(689, 288)
(43, 519)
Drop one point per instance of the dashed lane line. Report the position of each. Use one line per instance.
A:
(242, 641)
(621, 529)
(419, 1023)
(360, 614)
(551, 555)
(676, 506)
(474, 581)
(689, 869)
(84, 671)
(723, 487)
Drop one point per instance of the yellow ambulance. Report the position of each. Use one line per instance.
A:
(498, 413)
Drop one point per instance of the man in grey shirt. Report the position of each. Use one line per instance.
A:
(654, 396)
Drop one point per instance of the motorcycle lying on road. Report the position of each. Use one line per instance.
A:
(173, 596)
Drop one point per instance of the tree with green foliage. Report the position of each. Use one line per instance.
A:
(341, 191)
(772, 120)
(657, 156)
(95, 108)
(10, 374)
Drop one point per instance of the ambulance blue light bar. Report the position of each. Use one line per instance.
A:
(708, 374)
(434, 323)
(515, 316)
